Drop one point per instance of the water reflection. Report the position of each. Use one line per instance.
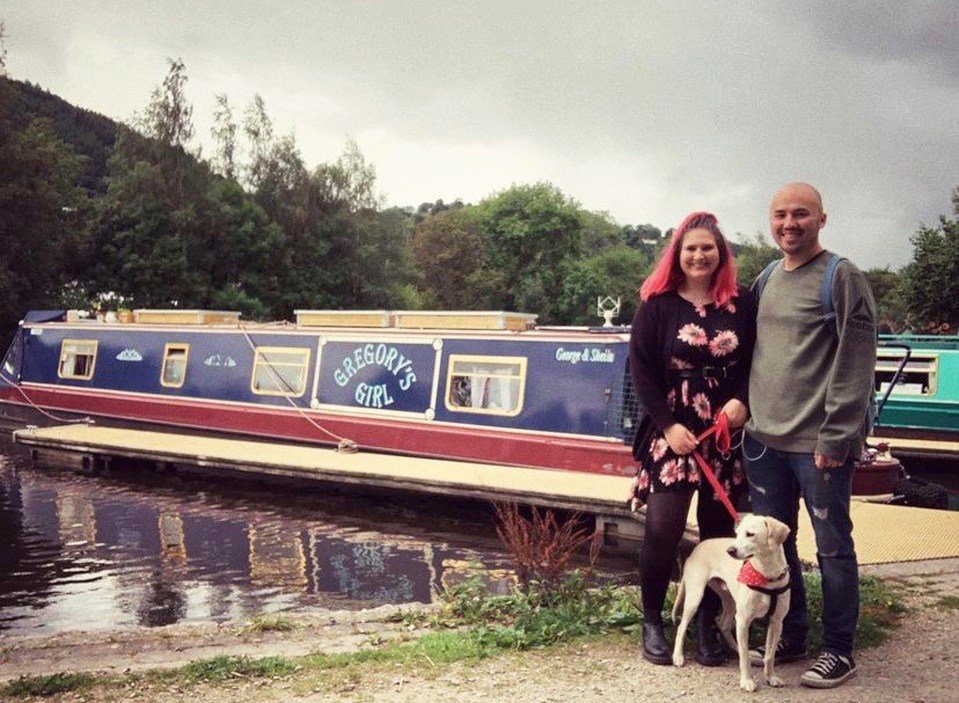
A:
(140, 548)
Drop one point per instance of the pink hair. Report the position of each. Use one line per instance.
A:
(667, 275)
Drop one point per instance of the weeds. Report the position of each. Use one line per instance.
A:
(541, 614)
(880, 610)
(948, 602)
(541, 546)
(47, 685)
(270, 623)
(223, 668)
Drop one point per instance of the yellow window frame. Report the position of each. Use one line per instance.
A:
(260, 359)
(520, 377)
(171, 347)
(65, 354)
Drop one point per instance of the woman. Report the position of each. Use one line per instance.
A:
(690, 347)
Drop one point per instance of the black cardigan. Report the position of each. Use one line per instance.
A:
(650, 342)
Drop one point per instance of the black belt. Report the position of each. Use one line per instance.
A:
(702, 372)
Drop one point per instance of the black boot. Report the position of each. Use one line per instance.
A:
(655, 646)
(710, 650)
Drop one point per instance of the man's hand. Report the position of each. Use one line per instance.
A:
(737, 412)
(680, 439)
(826, 462)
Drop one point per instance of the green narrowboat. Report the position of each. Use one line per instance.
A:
(924, 402)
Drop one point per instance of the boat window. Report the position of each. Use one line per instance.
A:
(173, 372)
(280, 371)
(919, 377)
(489, 385)
(77, 359)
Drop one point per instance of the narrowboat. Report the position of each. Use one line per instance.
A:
(487, 387)
(476, 386)
(924, 401)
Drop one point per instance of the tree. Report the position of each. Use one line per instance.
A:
(258, 128)
(169, 116)
(224, 135)
(427, 209)
(3, 49)
(349, 183)
(448, 251)
(929, 284)
(41, 215)
(616, 272)
(532, 234)
(752, 257)
(642, 236)
(172, 233)
(600, 232)
(890, 307)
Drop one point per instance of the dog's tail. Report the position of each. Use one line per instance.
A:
(678, 603)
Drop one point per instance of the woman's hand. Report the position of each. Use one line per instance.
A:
(680, 439)
(737, 413)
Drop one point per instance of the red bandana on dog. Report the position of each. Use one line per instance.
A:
(751, 577)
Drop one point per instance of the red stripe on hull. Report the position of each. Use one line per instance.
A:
(378, 434)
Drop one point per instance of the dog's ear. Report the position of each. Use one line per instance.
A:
(778, 531)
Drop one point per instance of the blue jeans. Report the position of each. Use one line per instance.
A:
(776, 481)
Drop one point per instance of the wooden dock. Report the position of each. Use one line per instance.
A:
(883, 533)
(562, 489)
(909, 447)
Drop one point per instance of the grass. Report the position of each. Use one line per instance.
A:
(43, 686)
(948, 602)
(880, 610)
(270, 623)
(224, 668)
(473, 624)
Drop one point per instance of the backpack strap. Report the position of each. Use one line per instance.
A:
(763, 277)
(829, 277)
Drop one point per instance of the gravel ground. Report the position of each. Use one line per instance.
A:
(918, 665)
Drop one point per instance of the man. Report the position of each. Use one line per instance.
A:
(809, 392)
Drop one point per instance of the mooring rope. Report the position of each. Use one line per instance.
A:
(344, 444)
(87, 420)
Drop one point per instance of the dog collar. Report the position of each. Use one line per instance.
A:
(749, 575)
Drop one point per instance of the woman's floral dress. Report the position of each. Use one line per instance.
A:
(706, 336)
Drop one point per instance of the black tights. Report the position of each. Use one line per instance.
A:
(665, 521)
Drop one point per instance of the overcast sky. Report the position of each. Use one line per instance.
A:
(646, 110)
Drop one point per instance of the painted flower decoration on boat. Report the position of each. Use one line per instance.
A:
(725, 342)
(693, 335)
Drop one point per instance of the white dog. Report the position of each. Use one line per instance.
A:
(749, 573)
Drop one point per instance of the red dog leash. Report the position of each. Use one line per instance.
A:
(720, 429)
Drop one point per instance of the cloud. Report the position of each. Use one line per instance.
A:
(645, 110)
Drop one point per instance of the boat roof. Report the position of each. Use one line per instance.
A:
(449, 323)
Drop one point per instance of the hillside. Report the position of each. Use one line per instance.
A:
(90, 134)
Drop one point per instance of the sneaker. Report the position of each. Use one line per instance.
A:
(786, 652)
(829, 671)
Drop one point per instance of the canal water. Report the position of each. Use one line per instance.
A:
(137, 547)
(142, 548)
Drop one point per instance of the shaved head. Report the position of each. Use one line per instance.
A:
(800, 188)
